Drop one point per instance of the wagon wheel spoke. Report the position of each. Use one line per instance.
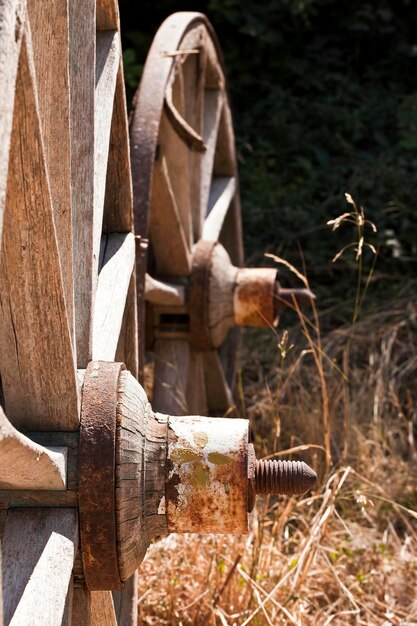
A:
(182, 131)
(126, 602)
(82, 50)
(36, 323)
(107, 66)
(117, 260)
(179, 384)
(38, 551)
(12, 19)
(118, 197)
(213, 107)
(94, 72)
(50, 40)
(92, 608)
(170, 239)
(193, 70)
(196, 385)
(219, 395)
(171, 372)
(222, 191)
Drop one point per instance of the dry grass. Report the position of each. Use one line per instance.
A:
(346, 554)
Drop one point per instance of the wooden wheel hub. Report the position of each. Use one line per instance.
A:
(222, 295)
(144, 474)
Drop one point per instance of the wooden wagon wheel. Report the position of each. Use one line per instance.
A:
(186, 203)
(184, 167)
(67, 287)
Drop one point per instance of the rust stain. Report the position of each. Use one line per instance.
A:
(254, 297)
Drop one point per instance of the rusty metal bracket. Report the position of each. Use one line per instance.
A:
(97, 487)
(199, 296)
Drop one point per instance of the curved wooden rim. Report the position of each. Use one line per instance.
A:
(149, 103)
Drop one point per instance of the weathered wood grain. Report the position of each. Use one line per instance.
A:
(175, 154)
(220, 305)
(108, 15)
(126, 602)
(111, 295)
(36, 358)
(92, 608)
(66, 618)
(108, 52)
(38, 552)
(140, 475)
(193, 70)
(127, 348)
(27, 465)
(196, 385)
(33, 498)
(231, 233)
(70, 442)
(25, 499)
(82, 73)
(169, 239)
(213, 107)
(163, 293)
(118, 200)
(219, 395)
(225, 157)
(172, 363)
(12, 20)
(50, 41)
(222, 190)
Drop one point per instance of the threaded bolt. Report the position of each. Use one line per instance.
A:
(277, 477)
(288, 297)
(283, 477)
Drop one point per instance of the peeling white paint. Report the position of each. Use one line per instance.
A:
(212, 494)
(162, 506)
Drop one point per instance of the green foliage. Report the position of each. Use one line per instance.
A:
(325, 102)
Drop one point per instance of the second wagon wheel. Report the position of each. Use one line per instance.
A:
(67, 287)
(185, 189)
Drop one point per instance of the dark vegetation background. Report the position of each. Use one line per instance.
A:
(324, 95)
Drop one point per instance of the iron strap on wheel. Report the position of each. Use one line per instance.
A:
(97, 500)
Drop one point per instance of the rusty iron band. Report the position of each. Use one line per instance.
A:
(199, 296)
(97, 489)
